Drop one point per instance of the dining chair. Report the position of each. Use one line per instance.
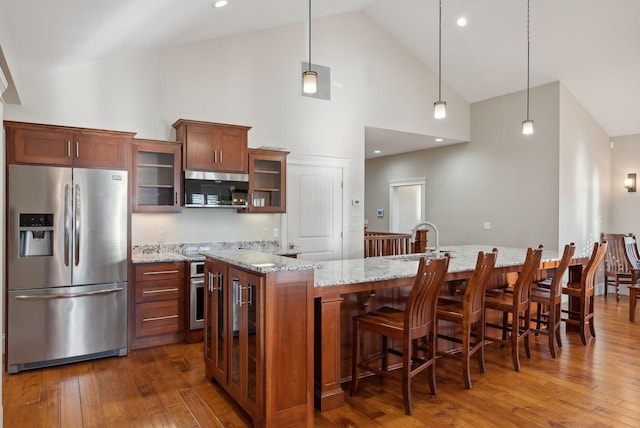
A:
(583, 292)
(547, 295)
(617, 266)
(469, 315)
(405, 327)
(516, 305)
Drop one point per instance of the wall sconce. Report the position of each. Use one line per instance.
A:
(630, 182)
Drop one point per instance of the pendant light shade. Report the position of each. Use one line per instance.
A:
(440, 107)
(309, 77)
(527, 125)
(309, 82)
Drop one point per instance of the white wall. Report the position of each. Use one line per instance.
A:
(253, 79)
(625, 206)
(585, 174)
(500, 176)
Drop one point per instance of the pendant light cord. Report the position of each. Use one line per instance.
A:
(528, 13)
(309, 35)
(440, 53)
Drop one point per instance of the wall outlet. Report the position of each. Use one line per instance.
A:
(161, 236)
(276, 232)
(486, 225)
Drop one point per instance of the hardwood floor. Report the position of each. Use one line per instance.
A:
(597, 385)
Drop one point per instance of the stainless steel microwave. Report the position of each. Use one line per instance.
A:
(203, 189)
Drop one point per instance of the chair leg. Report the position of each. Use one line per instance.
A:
(515, 328)
(480, 351)
(406, 379)
(385, 354)
(355, 358)
(538, 317)
(583, 321)
(557, 328)
(617, 291)
(505, 323)
(551, 330)
(431, 370)
(592, 326)
(466, 342)
(526, 332)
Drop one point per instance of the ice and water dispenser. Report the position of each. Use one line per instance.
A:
(36, 235)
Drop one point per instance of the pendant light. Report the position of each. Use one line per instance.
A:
(527, 125)
(440, 107)
(309, 77)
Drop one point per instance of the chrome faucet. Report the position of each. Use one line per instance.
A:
(432, 226)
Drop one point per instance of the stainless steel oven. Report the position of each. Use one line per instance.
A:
(196, 296)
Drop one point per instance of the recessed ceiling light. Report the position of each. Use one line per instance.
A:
(462, 21)
(377, 151)
(220, 3)
(438, 140)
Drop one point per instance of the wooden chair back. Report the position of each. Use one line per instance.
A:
(616, 259)
(587, 280)
(420, 310)
(473, 302)
(631, 247)
(522, 287)
(555, 289)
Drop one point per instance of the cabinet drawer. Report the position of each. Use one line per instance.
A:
(159, 317)
(159, 271)
(153, 291)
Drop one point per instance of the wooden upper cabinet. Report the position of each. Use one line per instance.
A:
(66, 146)
(155, 175)
(213, 146)
(267, 181)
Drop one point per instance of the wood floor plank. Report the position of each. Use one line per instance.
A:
(92, 413)
(199, 409)
(70, 405)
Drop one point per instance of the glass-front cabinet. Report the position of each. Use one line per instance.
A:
(244, 340)
(156, 176)
(259, 340)
(267, 180)
(215, 345)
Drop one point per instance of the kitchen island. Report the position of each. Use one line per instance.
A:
(345, 288)
(259, 333)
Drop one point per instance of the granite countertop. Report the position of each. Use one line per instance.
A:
(154, 253)
(463, 258)
(259, 261)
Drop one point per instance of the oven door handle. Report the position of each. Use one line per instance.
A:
(197, 281)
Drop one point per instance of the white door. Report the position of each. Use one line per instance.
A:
(314, 210)
(406, 204)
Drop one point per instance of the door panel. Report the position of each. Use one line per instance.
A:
(37, 190)
(49, 324)
(100, 235)
(314, 207)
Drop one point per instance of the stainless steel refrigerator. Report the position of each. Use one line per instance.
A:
(66, 265)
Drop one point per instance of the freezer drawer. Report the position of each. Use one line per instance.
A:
(59, 325)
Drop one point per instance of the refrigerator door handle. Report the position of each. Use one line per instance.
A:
(67, 296)
(76, 243)
(67, 223)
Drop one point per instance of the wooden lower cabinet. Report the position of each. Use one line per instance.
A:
(259, 341)
(159, 305)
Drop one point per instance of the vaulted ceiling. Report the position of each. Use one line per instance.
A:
(591, 46)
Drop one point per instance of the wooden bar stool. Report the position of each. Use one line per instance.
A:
(548, 294)
(584, 292)
(469, 314)
(516, 305)
(416, 321)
